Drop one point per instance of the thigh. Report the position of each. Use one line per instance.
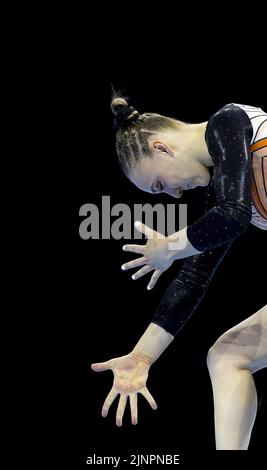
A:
(246, 342)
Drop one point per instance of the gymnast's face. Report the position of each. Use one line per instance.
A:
(168, 171)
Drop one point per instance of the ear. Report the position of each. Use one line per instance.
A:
(162, 147)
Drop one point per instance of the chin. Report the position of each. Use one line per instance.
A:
(203, 181)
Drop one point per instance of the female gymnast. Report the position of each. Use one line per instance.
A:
(228, 154)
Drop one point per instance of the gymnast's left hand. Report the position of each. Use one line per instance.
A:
(156, 255)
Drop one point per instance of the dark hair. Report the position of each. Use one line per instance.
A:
(133, 130)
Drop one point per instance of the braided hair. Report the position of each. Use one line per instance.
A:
(133, 131)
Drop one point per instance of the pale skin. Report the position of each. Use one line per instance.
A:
(232, 361)
(130, 376)
(131, 372)
(180, 161)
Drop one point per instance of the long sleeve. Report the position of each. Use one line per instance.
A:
(187, 290)
(228, 137)
(189, 287)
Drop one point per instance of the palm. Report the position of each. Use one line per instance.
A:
(130, 376)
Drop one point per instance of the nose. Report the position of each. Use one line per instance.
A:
(177, 193)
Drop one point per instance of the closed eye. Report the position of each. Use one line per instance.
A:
(157, 187)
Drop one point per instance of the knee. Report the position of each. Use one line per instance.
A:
(212, 358)
(223, 356)
(218, 363)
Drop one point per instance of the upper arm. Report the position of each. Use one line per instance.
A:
(228, 139)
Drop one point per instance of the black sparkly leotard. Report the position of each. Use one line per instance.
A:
(228, 213)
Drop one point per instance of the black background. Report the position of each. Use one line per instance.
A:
(66, 59)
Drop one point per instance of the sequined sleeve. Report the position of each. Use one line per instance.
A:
(187, 290)
(189, 287)
(228, 137)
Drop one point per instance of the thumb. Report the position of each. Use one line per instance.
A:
(142, 228)
(101, 366)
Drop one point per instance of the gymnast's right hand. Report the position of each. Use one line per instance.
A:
(130, 377)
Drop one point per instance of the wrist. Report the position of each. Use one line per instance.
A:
(180, 246)
(152, 344)
(141, 357)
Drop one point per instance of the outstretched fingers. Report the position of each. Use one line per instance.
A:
(135, 263)
(133, 405)
(139, 249)
(144, 270)
(120, 410)
(154, 278)
(108, 402)
(101, 366)
(144, 391)
(143, 228)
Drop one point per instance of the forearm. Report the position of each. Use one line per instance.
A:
(153, 343)
(187, 290)
(222, 224)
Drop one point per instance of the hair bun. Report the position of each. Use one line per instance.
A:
(124, 114)
(117, 104)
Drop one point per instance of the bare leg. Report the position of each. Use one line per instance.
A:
(232, 360)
